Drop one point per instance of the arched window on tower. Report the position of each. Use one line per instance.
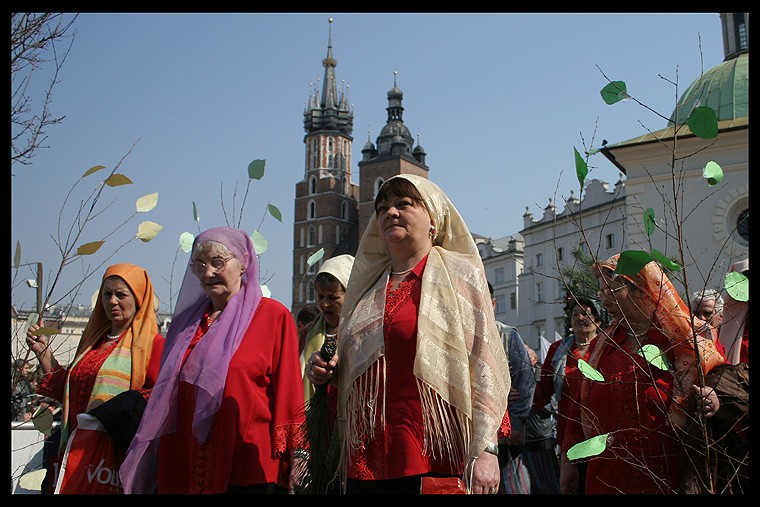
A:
(319, 235)
(303, 237)
(310, 238)
(345, 186)
(337, 235)
(378, 183)
(311, 210)
(344, 210)
(314, 154)
(330, 153)
(300, 265)
(312, 185)
(310, 294)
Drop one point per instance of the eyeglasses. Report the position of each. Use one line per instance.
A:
(612, 291)
(217, 263)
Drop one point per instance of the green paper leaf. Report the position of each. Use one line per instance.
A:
(631, 262)
(703, 123)
(260, 243)
(93, 169)
(713, 173)
(17, 255)
(649, 222)
(186, 241)
(581, 169)
(589, 371)
(148, 230)
(275, 212)
(90, 248)
(195, 213)
(737, 286)
(666, 263)
(116, 180)
(614, 92)
(313, 258)
(256, 169)
(146, 202)
(266, 292)
(591, 447)
(654, 356)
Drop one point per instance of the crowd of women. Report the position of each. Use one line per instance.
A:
(414, 392)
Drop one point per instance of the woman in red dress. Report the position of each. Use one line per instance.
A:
(421, 372)
(640, 407)
(228, 403)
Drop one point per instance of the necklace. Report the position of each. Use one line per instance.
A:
(401, 272)
(331, 335)
(113, 336)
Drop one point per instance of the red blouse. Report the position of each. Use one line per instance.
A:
(396, 450)
(253, 432)
(85, 372)
(642, 452)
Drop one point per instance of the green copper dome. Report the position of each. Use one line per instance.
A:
(724, 88)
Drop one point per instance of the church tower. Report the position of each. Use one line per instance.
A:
(326, 203)
(393, 155)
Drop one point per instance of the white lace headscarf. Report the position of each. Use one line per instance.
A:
(460, 365)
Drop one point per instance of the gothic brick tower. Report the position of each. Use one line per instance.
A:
(331, 212)
(326, 205)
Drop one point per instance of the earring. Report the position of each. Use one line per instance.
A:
(432, 231)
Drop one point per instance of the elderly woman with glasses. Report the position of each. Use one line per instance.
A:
(228, 403)
(649, 365)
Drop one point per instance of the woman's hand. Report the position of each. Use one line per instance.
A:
(486, 475)
(568, 476)
(707, 400)
(320, 371)
(40, 346)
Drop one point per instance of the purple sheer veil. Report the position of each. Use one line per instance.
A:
(206, 366)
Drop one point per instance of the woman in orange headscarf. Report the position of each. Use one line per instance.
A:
(119, 352)
(640, 406)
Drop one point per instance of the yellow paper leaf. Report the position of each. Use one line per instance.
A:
(147, 202)
(95, 297)
(42, 419)
(32, 481)
(90, 248)
(47, 331)
(93, 169)
(116, 180)
(17, 255)
(147, 230)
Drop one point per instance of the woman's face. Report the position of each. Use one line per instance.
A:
(583, 320)
(330, 301)
(118, 301)
(402, 219)
(220, 276)
(621, 298)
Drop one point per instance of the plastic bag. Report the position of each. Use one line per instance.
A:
(91, 463)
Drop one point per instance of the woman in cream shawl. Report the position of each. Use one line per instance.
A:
(455, 399)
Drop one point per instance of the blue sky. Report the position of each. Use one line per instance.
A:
(499, 101)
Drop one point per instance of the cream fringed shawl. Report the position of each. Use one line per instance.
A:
(460, 365)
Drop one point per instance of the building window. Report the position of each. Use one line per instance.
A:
(344, 210)
(337, 234)
(330, 152)
(320, 237)
(513, 300)
(539, 292)
(499, 274)
(311, 210)
(312, 185)
(539, 260)
(560, 254)
(302, 235)
(609, 241)
(742, 225)
(345, 185)
(378, 183)
(310, 294)
(501, 303)
(310, 238)
(540, 329)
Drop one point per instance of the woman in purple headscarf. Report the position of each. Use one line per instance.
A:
(228, 402)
